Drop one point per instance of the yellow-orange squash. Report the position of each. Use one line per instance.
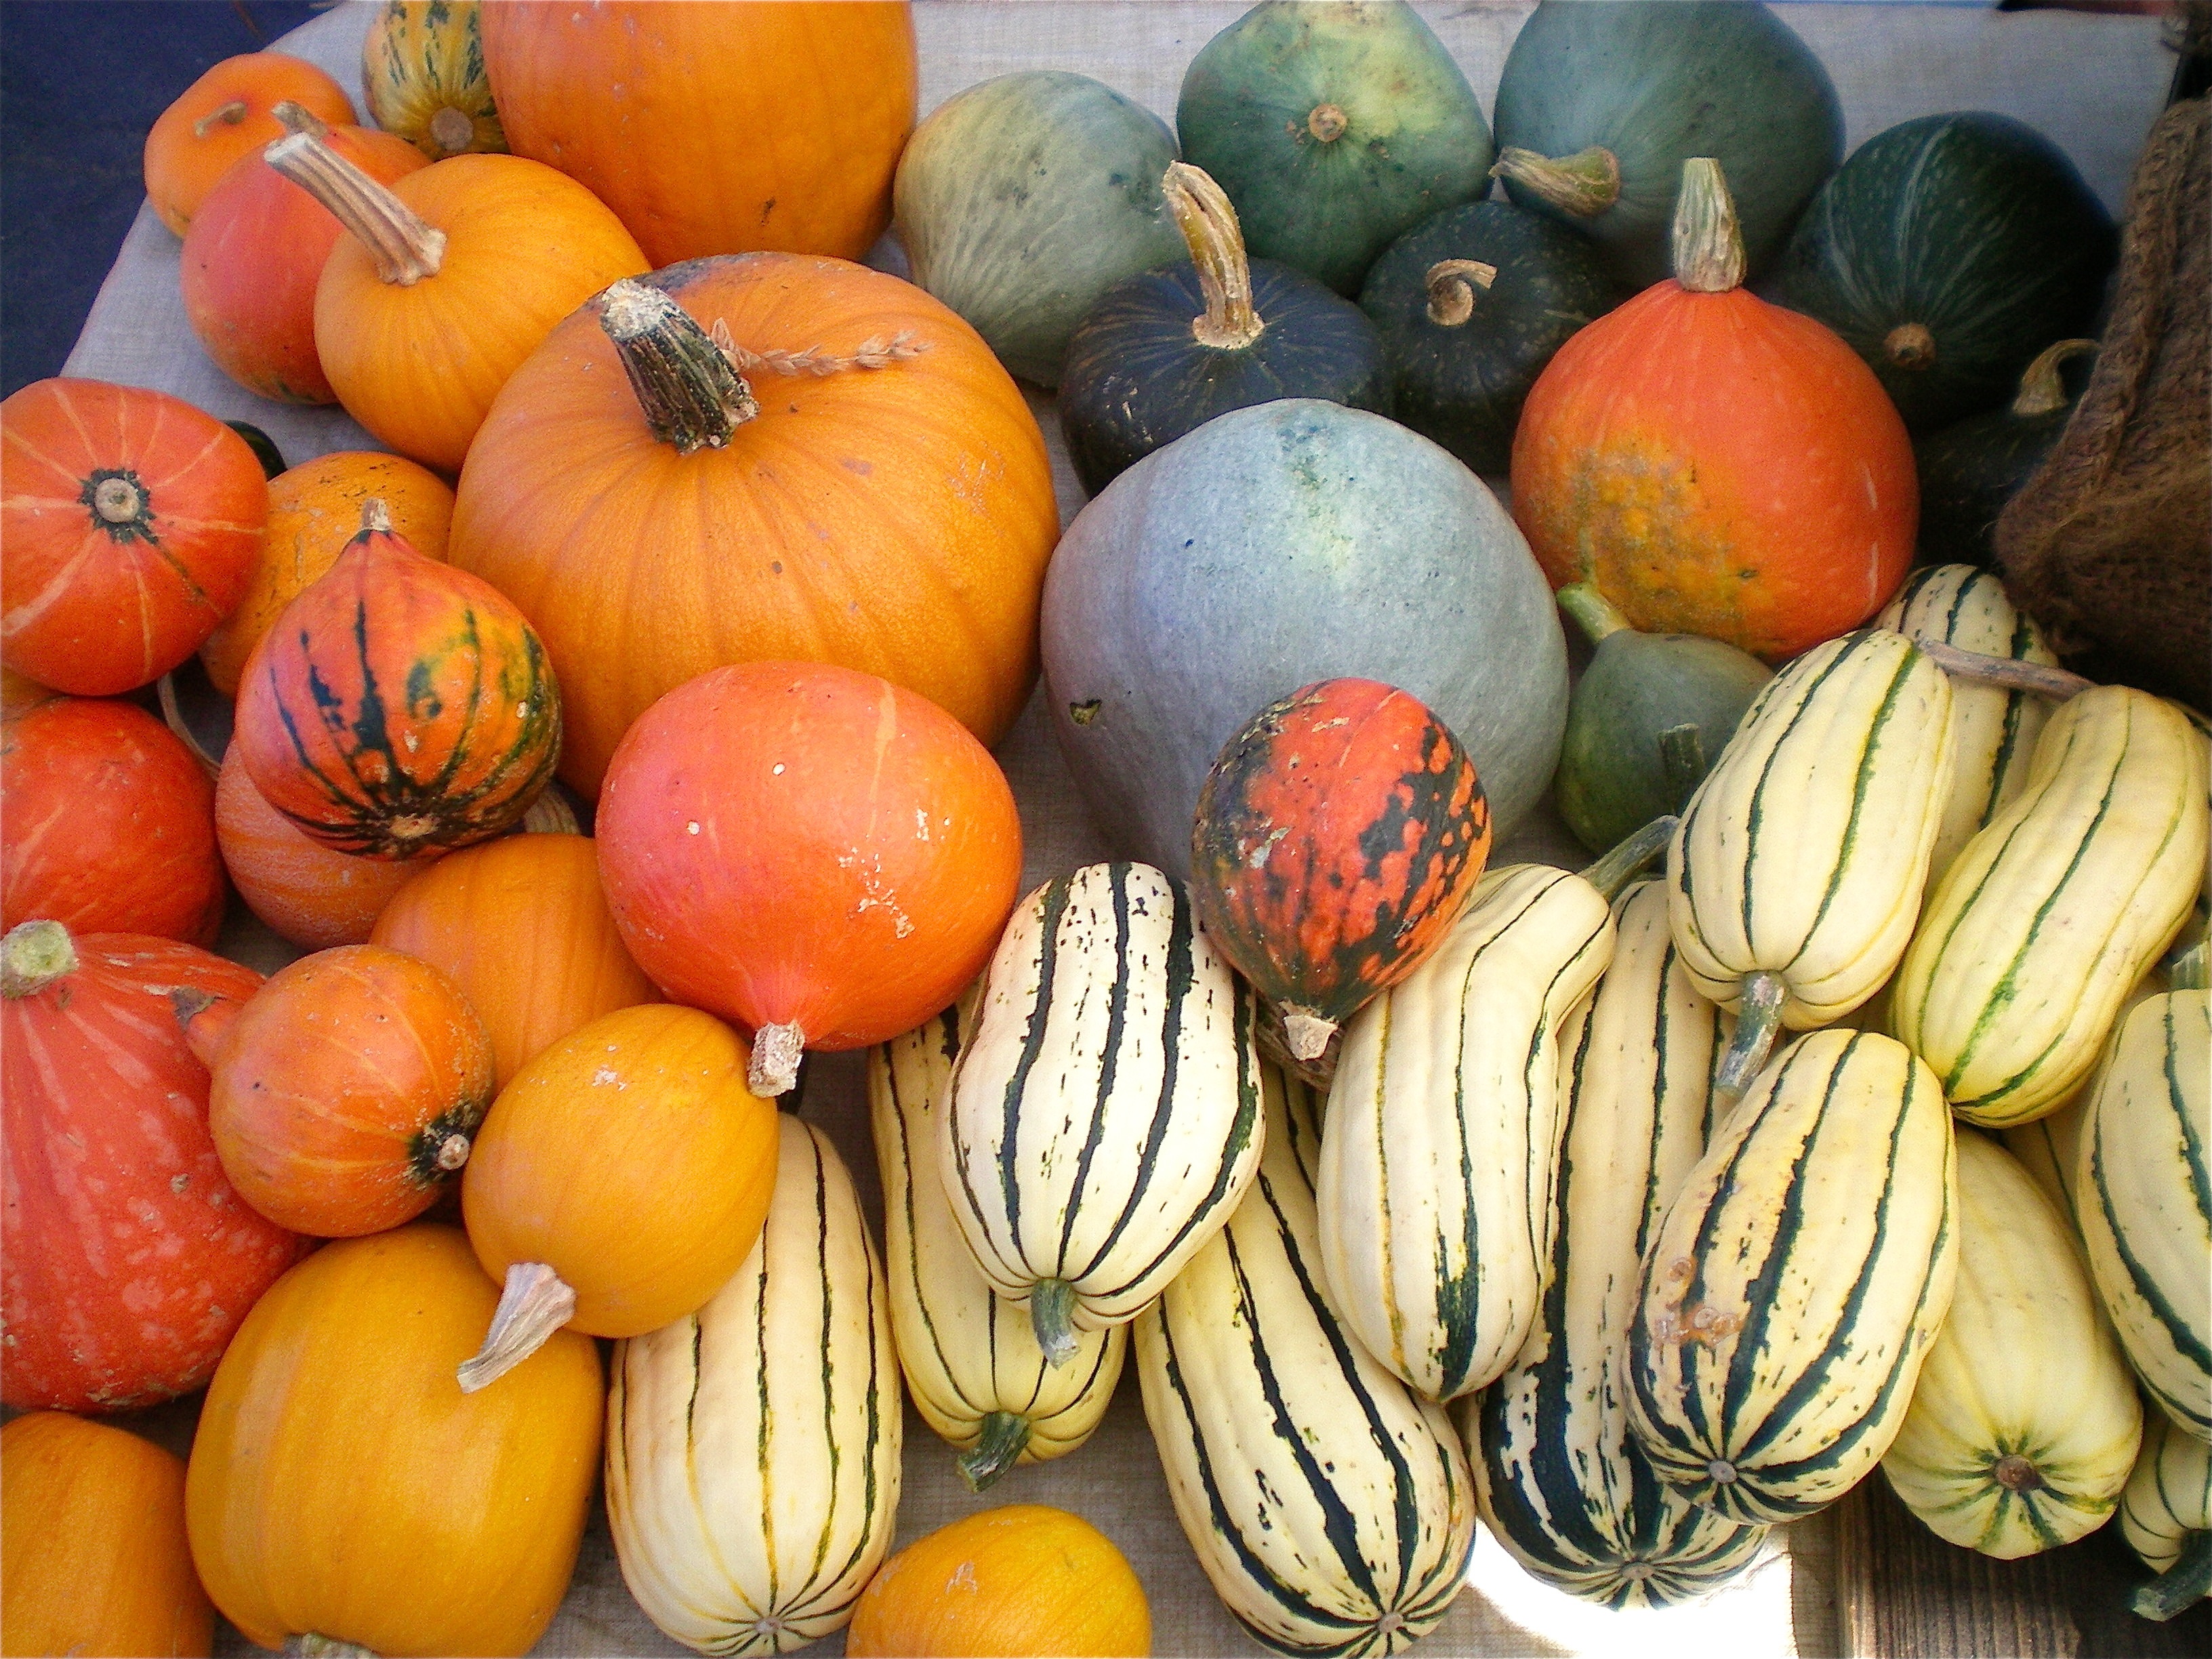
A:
(93, 1556)
(223, 115)
(340, 1484)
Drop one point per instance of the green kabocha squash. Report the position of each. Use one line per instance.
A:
(1648, 719)
(1335, 126)
(1164, 352)
(1971, 468)
(1948, 251)
(1470, 304)
(1601, 102)
(263, 446)
(1022, 200)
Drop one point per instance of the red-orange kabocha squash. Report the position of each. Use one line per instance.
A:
(716, 129)
(398, 704)
(659, 506)
(128, 1260)
(815, 853)
(131, 520)
(1714, 464)
(229, 113)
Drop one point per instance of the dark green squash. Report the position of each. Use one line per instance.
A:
(1470, 304)
(1970, 469)
(1949, 251)
(1601, 102)
(263, 446)
(1335, 127)
(1647, 720)
(1164, 352)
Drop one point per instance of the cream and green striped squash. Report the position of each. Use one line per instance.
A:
(2144, 1193)
(422, 66)
(753, 1447)
(1442, 1141)
(1104, 1117)
(1331, 1506)
(1993, 729)
(1562, 1485)
(2042, 925)
(1792, 1292)
(972, 1362)
(2024, 1423)
(2165, 1516)
(2194, 930)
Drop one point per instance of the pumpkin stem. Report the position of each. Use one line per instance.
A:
(451, 129)
(2180, 1587)
(375, 518)
(1619, 865)
(1003, 1439)
(227, 115)
(534, 1303)
(1208, 221)
(1052, 1317)
(1909, 346)
(206, 1019)
(691, 394)
(1306, 1033)
(406, 249)
(775, 1065)
(1980, 668)
(2016, 1473)
(1595, 614)
(313, 1644)
(1584, 184)
(1327, 122)
(34, 956)
(1758, 1021)
(2041, 391)
(1708, 244)
(298, 118)
(1453, 285)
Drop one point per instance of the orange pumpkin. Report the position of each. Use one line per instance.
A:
(813, 851)
(255, 251)
(445, 283)
(894, 519)
(130, 519)
(229, 112)
(1714, 464)
(714, 129)
(314, 510)
(109, 826)
(302, 890)
(93, 1555)
(522, 926)
(19, 694)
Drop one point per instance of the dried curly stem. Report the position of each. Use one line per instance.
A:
(1208, 222)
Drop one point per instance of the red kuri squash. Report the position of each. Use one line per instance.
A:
(229, 112)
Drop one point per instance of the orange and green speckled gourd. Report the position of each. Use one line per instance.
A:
(1714, 464)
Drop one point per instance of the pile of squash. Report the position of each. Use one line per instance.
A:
(1421, 1188)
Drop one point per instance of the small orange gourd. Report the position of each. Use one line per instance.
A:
(225, 115)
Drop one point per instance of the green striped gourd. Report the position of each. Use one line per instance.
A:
(1564, 1487)
(972, 1363)
(2200, 913)
(2145, 1199)
(1791, 1294)
(1442, 1141)
(1795, 873)
(753, 1447)
(1993, 728)
(2024, 1423)
(1105, 1116)
(2034, 937)
(1330, 1505)
(2165, 1516)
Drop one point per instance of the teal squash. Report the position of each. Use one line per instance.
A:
(1335, 127)
(1470, 304)
(1275, 546)
(1601, 102)
(263, 446)
(1166, 351)
(1970, 469)
(1948, 251)
(1023, 199)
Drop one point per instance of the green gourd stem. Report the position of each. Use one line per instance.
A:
(298, 118)
(1707, 242)
(691, 394)
(534, 1302)
(774, 1067)
(2180, 1587)
(1983, 668)
(2041, 391)
(34, 956)
(1620, 863)
(1584, 184)
(1208, 222)
(1052, 1316)
(1682, 760)
(405, 247)
(1757, 1022)
(2187, 970)
(1003, 1439)
(1595, 614)
(1453, 285)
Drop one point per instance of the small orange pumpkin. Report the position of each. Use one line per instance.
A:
(229, 112)
(302, 890)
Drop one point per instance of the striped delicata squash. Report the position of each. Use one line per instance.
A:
(2165, 1516)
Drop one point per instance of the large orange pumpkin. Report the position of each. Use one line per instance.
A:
(1714, 464)
(893, 519)
(300, 889)
(225, 115)
(717, 129)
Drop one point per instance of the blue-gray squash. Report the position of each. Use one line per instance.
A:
(1277, 545)
(1022, 200)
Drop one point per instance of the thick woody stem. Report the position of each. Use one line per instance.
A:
(1306, 1033)
(298, 118)
(534, 1303)
(1909, 346)
(774, 1066)
(1210, 229)
(1708, 241)
(2009, 672)
(1453, 285)
(692, 395)
(34, 956)
(1757, 1021)
(1326, 123)
(2041, 390)
(404, 247)
(1584, 184)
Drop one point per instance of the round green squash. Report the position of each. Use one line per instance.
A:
(1335, 127)
(1464, 346)
(1278, 545)
(1970, 469)
(1601, 102)
(1948, 251)
(1022, 200)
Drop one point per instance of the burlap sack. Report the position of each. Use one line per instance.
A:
(2108, 546)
